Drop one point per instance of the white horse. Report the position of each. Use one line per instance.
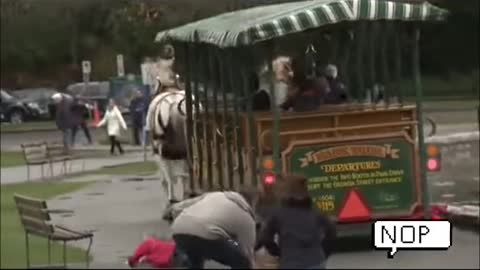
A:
(166, 121)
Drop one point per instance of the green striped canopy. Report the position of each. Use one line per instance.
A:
(253, 25)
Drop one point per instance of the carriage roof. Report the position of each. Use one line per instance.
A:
(254, 25)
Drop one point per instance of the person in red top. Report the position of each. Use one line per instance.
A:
(155, 253)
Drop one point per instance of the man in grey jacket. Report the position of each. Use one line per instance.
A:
(218, 226)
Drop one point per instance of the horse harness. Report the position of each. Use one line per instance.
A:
(163, 125)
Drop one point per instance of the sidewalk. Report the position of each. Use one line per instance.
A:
(19, 174)
(122, 213)
(80, 147)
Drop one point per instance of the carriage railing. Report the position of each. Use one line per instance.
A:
(226, 146)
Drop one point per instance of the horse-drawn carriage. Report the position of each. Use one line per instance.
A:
(364, 159)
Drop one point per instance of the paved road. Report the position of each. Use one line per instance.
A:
(12, 141)
(448, 122)
(125, 211)
(19, 174)
(463, 254)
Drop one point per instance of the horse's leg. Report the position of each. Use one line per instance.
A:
(179, 177)
(165, 173)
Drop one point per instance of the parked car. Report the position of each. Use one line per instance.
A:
(16, 110)
(91, 92)
(42, 96)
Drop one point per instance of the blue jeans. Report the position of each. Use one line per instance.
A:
(198, 250)
(67, 138)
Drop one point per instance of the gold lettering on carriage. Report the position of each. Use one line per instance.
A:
(385, 151)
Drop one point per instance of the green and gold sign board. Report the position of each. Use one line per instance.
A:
(382, 170)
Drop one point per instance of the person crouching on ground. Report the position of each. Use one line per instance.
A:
(157, 253)
(305, 236)
(218, 226)
(114, 121)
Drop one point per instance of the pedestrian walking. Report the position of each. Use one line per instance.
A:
(114, 121)
(137, 113)
(63, 117)
(305, 236)
(225, 235)
(80, 116)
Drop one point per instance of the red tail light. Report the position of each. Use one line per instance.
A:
(269, 179)
(434, 158)
(433, 164)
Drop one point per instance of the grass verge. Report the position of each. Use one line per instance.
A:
(11, 159)
(12, 235)
(29, 126)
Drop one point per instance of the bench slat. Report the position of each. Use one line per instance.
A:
(49, 266)
(36, 225)
(33, 212)
(31, 202)
(69, 236)
(56, 152)
(35, 217)
(37, 158)
(35, 152)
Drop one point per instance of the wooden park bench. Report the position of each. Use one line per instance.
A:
(35, 154)
(35, 218)
(56, 153)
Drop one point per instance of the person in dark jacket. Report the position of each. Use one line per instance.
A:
(307, 96)
(137, 112)
(336, 92)
(305, 236)
(63, 117)
(261, 99)
(79, 118)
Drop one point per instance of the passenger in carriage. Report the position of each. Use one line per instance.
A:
(261, 99)
(305, 94)
(335, 92)
(297, 92)
(261, 84)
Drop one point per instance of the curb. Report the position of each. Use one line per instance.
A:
(31, 130)
(39, 129)
(464, 216)
(454, 137)
(27, 130)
